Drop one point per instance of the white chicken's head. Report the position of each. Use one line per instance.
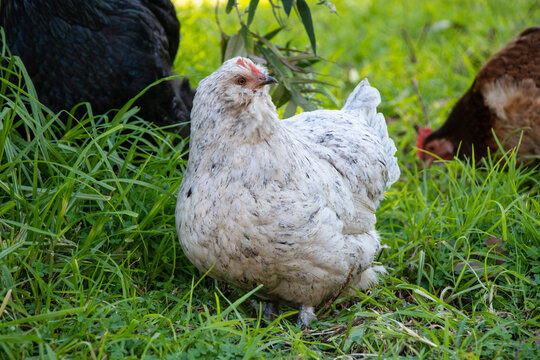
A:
(237, 82)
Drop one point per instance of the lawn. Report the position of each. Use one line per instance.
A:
(90, 263)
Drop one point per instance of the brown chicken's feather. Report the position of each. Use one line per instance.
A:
(505, 97)
(517, 107)
(518, 59)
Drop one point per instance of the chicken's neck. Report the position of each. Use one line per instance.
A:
(254, 123)
(258, 122)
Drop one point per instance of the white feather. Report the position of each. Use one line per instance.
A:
(286, 204)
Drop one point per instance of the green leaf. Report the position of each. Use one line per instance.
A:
(248, 39)
(19, 338)
(46, 316)
(251, 12)
(287, 6)
(305, 15)
(300, 100)
(29, 228)
(328, 95)
(311, 81)
(223, 44)
(281, 96)
(272, 33)
(234, 305)
(290, 110)
(229, 6)
(235, 46)
(11, 249)
(278, 66)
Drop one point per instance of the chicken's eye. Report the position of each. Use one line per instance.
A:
(241, 81)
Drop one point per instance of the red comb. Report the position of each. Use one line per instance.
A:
(248, 64)
(241, 62)
(423, 133)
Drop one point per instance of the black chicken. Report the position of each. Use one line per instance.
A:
(100, 51)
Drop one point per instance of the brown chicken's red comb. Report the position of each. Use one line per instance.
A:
(423, 133)
(421, 136)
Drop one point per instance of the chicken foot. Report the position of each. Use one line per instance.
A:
(306, 314)
(268, 309)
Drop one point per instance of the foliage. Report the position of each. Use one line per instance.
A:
(291, 66)
(90, 266)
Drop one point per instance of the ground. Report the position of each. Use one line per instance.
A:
(90, 264)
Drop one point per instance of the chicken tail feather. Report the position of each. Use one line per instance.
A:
(363, 103)
(364, 98)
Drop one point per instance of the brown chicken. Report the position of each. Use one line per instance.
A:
(504, 99)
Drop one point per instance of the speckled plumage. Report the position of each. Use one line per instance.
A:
(288, 204)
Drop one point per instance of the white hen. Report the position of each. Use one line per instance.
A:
(287, 204)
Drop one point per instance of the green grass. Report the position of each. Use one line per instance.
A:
(90, 264)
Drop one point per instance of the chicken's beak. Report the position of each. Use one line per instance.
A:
(268, 80)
